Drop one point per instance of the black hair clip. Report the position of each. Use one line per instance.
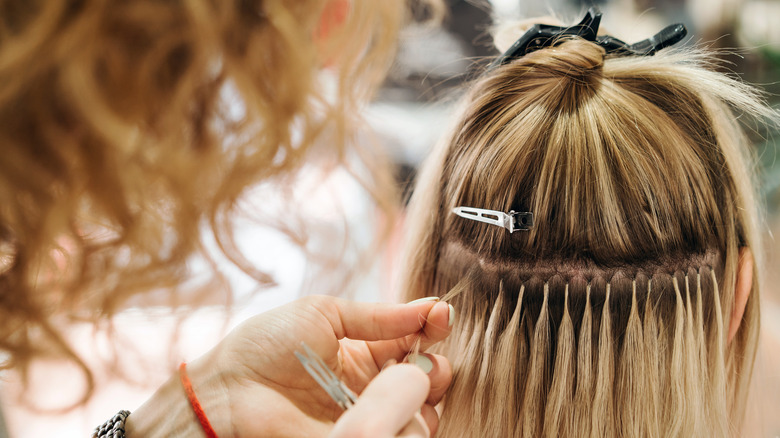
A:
(542, 35)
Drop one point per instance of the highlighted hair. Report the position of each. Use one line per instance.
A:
(606, 319)
(614, 353)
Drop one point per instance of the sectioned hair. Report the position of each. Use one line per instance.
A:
(607, 318)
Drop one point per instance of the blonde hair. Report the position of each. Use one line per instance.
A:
(607, 318)
(127, 128)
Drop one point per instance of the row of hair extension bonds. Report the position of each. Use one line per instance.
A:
(614, 356)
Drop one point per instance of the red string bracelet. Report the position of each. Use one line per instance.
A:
(205, 424)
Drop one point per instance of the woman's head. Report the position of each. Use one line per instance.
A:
(610, 315)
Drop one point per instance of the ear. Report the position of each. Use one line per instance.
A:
(742, 289)
(333, 16)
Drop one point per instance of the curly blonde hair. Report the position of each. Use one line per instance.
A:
(121, 138)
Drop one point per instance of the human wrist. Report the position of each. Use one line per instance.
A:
(168, 413)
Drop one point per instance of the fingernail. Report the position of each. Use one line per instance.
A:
(451, 320)
(423, 362)
(422, 300)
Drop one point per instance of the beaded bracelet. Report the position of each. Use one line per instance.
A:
(113, 428)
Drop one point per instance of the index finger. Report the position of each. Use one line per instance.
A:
(374, 321)
(436, 327)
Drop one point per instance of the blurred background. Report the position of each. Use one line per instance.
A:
(410, 113)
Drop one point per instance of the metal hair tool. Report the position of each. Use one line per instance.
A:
(512, 221)
(316, 367)
(540, 36)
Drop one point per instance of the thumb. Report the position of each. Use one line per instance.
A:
(387, 405)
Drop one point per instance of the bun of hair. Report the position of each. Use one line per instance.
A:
(572, 58)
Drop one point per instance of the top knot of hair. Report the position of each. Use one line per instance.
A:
(574, 58)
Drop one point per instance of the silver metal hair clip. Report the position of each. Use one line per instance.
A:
(512, 221)
(335, 388)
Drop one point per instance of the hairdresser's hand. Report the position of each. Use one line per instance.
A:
(252, 384)
(391, 406)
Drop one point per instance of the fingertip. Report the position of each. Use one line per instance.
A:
(440, 377)
(442, 309)
(437, 327)
(431, 417)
